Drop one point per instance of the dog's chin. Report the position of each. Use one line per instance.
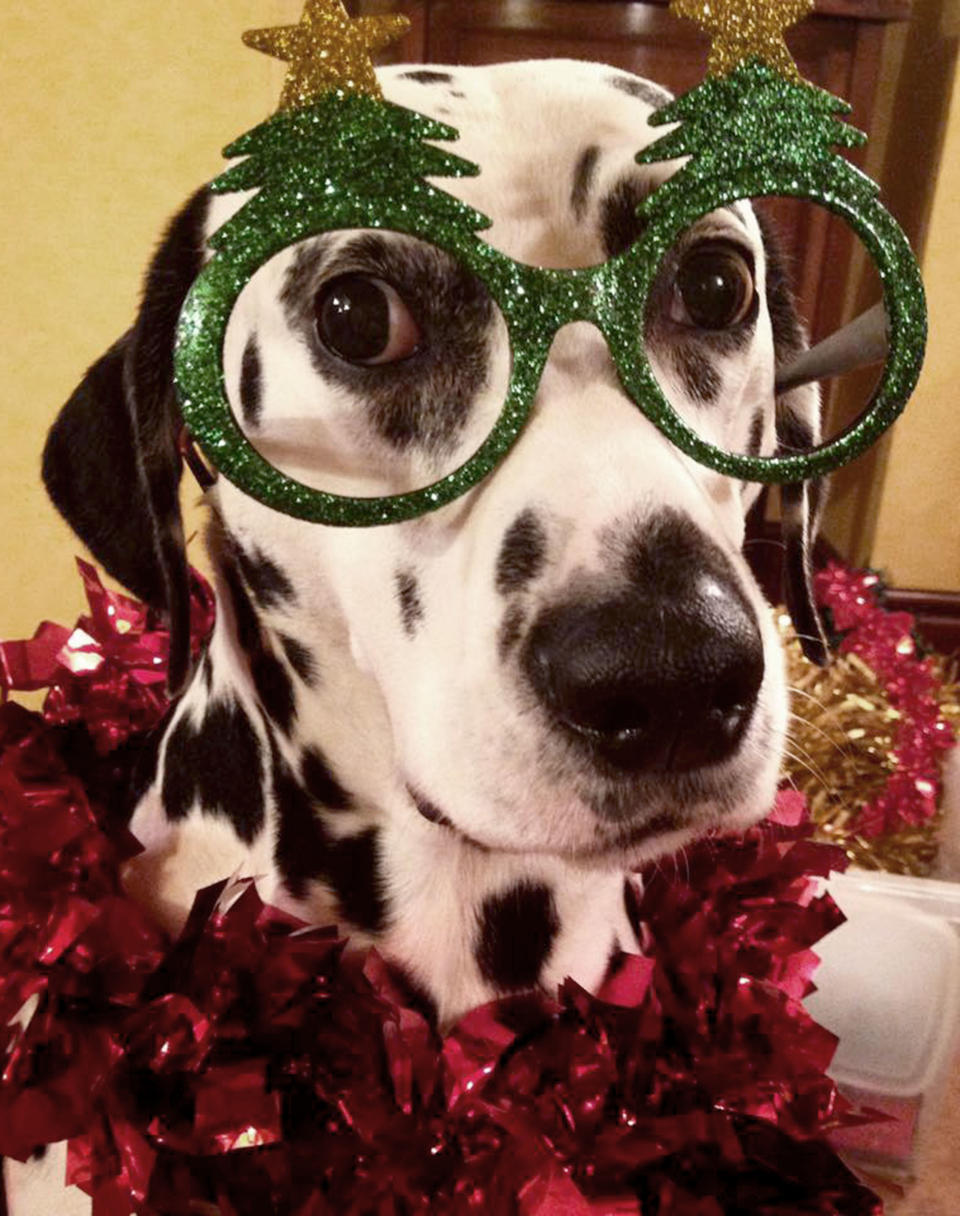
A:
(615, 839)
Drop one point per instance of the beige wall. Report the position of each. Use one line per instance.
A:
(917, 539)
(115, 110)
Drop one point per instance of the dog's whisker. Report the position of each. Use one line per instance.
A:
(801, 753)
(814, 772)
(818, 730)
(796, 691)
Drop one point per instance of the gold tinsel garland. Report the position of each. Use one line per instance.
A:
(842, 740)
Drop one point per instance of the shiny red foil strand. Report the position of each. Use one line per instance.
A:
(257, 1065)
(885, 642)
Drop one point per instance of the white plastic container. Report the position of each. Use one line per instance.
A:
(889, 987)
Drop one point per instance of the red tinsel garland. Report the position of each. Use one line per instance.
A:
(257, 1066)
(885, 642)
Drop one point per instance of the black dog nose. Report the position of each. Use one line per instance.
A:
(662, 680)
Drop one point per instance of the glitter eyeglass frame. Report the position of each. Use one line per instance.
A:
(536, 303)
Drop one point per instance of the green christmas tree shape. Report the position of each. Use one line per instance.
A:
(750, 133)
(345, 161)
(755, 130)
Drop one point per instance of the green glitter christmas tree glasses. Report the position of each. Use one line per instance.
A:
(347, 162)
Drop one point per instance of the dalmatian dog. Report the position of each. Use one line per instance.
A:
(456, 737)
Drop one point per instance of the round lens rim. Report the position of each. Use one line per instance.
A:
(201, 384)
(670, 212)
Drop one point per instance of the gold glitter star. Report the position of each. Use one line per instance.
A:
(745, 29)
(328, 50)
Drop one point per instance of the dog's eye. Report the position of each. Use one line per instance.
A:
(714, 287)
(362, 319)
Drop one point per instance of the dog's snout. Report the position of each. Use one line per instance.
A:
(656, 680)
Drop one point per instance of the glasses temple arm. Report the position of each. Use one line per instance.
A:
(863, 341)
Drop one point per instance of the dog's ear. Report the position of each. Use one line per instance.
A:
(111, 462)
(798, 430)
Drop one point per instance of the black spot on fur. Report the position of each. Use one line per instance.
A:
(517, 931)
(299, 658)
(788, 335)
(631, 903)
(511, 630)
(620, 226)
(428, 810)
(274, 689)
(245, 618)
(320, 782)
(206, 672)
(667, 550)
(144, 771)
(408, 597)
(794, 434)
(643, 90)
(39, 1152)
(353, 870)
(218, 764)
(523, 1013)
(270, 586)
(302, 850)
(251, 383)
(522, 554)
(428, 76)
(270, 679)
(613, 959)
(583, 175)
(700, 378)
(459, 96)
(414, 994)
(423, 401)
(305, 851)
(757, 428)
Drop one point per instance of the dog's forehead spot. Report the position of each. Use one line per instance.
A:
(620, 225)
(218, 766)
(523, 553)
(427, 76)
(583, 176)
(524, 125)
(517, 929)
(646, 91)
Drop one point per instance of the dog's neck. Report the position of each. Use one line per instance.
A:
(312, 804)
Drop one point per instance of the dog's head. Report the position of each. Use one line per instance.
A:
(573, 657)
